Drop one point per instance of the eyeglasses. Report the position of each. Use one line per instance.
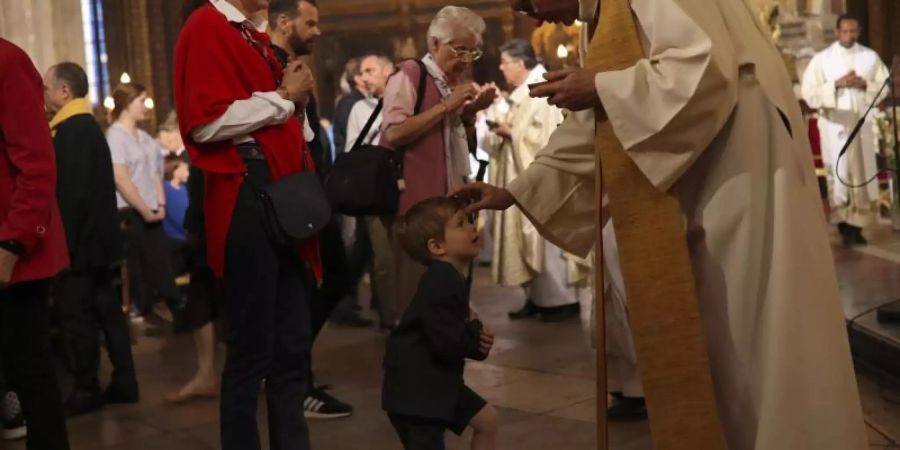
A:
(463, 53)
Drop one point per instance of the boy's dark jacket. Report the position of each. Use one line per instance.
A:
(425, 356)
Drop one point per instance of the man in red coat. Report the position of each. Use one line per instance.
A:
(32, 247)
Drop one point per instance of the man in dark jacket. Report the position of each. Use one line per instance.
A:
(85, 298)
(294, 28)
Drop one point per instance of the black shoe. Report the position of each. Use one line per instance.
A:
(561, 313)
(852, 236)
(83, 402)
(843, 228)
(114, 395)
(352, 319)
(529, 310)
(13, 421)
(627, 408)
(320, 405)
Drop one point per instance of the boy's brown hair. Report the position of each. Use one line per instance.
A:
(424, 221)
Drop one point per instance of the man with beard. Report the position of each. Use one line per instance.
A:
(294, 28)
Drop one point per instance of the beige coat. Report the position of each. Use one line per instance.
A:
(519, 250)
(710, 115)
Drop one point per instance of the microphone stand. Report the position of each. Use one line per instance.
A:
(859, 124)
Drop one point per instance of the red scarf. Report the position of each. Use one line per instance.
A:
(214, 66)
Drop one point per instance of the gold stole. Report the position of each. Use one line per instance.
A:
(659, 282)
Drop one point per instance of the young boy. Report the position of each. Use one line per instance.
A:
(423, 390)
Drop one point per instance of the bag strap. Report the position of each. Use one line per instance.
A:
(482, 163)
(365, 131)
(420, 97)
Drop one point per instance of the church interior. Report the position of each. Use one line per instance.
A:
(540, 376)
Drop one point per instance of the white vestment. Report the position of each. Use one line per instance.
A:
(839, 111)
(521, 257)
(701, 116)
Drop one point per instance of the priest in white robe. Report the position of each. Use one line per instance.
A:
(709, 115)
(841, 82)
(554, 281)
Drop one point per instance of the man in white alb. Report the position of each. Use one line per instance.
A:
(553, 280)
(841, 82)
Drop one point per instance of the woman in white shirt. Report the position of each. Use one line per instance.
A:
(138, 173)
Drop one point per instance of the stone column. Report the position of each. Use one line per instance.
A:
(50, 31)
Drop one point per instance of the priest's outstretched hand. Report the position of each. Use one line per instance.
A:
(570, 88)
(483, 196)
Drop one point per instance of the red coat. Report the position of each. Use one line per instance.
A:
(28, 209)
(214, 66)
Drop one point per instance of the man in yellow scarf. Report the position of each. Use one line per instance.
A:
(706, 115)
(86, 194)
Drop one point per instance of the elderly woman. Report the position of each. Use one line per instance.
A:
(435, 138)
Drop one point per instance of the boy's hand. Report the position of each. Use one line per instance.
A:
(486, 342)
(472, 315)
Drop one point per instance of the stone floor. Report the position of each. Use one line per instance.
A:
(540, 376)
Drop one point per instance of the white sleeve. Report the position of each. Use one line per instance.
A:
(816, 91)
(874, 85)
(556, 192)
(246, 116)
(686, 79)
(308, 134)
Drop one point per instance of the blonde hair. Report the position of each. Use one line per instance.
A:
(426, 220)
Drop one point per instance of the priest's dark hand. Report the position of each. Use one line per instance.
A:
(570, 88)
(483, 196)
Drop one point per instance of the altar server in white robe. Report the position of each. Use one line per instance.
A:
(554, 282)
(841, 82)
(709, 115)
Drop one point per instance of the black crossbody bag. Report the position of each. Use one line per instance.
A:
(367, 180)
(294, 207)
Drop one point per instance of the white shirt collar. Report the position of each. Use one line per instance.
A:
(837, 45)
(229, 11)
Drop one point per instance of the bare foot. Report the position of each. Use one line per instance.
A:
(194, 389)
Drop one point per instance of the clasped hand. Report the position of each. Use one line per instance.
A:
(851, 80)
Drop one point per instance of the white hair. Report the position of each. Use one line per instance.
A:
(450, 20)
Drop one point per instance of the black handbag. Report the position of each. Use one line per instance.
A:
(295, 207)
(367, 180)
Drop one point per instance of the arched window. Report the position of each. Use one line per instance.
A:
(95, 50)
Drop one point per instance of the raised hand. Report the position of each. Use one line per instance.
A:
(570, 88)
(483, 196)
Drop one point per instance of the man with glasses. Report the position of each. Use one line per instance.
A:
(553, 281)
(436, 135)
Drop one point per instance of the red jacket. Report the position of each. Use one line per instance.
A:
(214, 65)
(28, 210)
